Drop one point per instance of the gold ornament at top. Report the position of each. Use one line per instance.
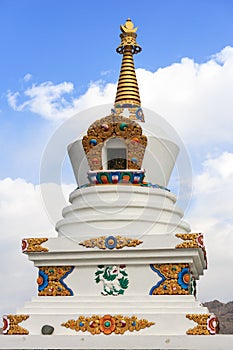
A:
(128, 27)
(127, 97)
(128, 38)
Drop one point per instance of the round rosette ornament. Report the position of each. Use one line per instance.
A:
(42, 280)
(110, 242)
(107, 324)
(184, 278)
(212, 324)
(200, 240)
(24, 245)
(6, 324)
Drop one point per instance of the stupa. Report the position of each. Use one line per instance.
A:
(122, 271)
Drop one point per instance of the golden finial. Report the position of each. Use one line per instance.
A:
(128, 38)
(128, 27)
(127, 96)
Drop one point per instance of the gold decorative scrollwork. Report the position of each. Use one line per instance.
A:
(191, 240)
(207, 324)
(33, 245)
(175, 279)
(107, 324)
(11, 324)
(51, 281)
(110, 242)
(114, 126)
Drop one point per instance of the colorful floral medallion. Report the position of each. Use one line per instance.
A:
(51, 281)
(110, 242)
(107, 324)
(207, 324)
(33, 245)
(116, 177)
(11, 324)
(114, 279)
(175, 279)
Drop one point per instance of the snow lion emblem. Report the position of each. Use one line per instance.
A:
(114, 279)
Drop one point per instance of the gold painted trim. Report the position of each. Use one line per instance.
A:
(207, 324)
(33, 245)
(101, 242)
(11, 324)
(107, 324)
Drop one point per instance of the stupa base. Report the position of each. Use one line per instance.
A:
(155, 342)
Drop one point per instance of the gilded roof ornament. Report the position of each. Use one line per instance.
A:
(128, 38)
(127, 101)
(128, 27)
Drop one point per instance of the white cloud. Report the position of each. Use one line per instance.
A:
(27, 77)
(22, 215)
(212, 214)
(55, 101)
(195, 98)
(46, 99)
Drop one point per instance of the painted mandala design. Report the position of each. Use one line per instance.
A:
(114, 279)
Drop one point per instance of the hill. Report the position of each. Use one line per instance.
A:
(224, 312)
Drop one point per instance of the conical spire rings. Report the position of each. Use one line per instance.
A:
(127, 96)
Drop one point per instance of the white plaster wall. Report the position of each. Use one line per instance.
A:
(82, 281)
(113, 209)
(159, 160)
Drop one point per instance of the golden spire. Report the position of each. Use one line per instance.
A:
(127, 95)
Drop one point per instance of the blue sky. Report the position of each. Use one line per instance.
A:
(58, 58)
(73, 41)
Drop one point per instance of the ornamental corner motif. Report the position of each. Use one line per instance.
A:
(33, 245)
(207, 324)
(192, 240)
(107, 324)
(51, 281)
(11, 324)
(175, 279)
